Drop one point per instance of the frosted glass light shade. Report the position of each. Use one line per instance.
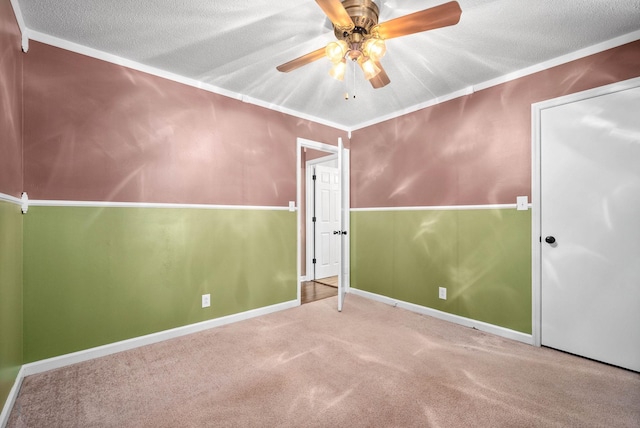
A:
(336, 50)
(369, 68)
(375, 48)
(338, 70)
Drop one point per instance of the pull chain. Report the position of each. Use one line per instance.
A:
(346, 83)
(353, 82)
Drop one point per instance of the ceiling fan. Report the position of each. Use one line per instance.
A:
(361, 38)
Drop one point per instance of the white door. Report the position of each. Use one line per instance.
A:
(327, 224)
(343, 215)
(590, 227)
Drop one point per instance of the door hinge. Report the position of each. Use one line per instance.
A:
(313, 177)
(313, 219)
(314, 261)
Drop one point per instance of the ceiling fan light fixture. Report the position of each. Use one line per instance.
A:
(338, 70)
(360, 37)
(375, 48)
(369, 68)
(336, 51)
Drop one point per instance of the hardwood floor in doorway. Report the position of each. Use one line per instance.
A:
(331, 280)
(310, 291)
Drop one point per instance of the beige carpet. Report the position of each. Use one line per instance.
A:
(370, 366)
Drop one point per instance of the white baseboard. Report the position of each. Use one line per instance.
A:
(112, 348)
(457, 319)
(11, 399)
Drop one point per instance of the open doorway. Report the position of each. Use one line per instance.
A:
(323, 221)
(322, 218)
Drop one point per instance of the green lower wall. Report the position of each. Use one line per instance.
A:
(10, 296)
(94, 276)
(482, 257)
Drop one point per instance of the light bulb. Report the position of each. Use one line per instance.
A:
(375, 48)
(369, 68)
(336, 50)
(338, 70)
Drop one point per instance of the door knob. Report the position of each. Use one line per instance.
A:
(336, 232)
(549, 239)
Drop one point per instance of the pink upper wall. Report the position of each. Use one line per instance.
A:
(101, 132)
(10, 102)
(474, 149)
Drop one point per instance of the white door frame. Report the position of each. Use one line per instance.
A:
(345, 206)
(308, 203)
(536, 173)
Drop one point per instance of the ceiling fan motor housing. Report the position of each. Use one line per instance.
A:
(364, 14)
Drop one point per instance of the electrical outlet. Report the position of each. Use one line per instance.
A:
(206, 300)
(442, 293)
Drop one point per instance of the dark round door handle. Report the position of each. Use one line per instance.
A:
(549, 239)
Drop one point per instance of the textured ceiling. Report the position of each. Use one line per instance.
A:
(236, 45)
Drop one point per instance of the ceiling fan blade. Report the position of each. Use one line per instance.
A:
(381, 79)
(300, 61)
(337, 14)
(436, 17)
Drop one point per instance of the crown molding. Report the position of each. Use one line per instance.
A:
(545, 65)
(117, 60)
(124, 62)
(101, 55)
(24, 31)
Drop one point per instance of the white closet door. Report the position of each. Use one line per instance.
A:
(590, 226)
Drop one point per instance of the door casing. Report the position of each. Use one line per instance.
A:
(345, 206)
